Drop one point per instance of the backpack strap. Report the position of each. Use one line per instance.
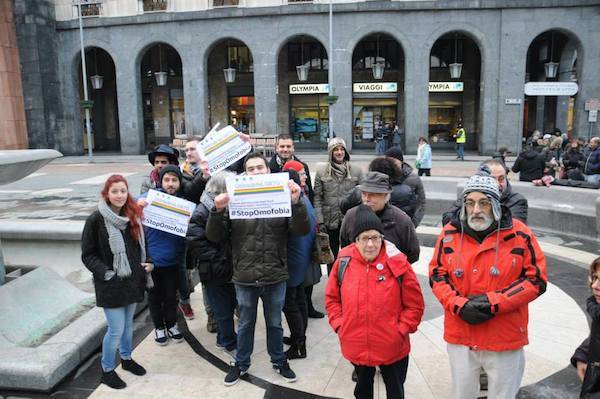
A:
(344, 261)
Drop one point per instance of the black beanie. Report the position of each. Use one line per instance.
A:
(395, 152)
(365, 219)
(170, 169)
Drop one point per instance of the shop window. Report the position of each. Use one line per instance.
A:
(154, 5)
(225, 3)
(315, 56)
(240, 58)
(241, 113)
(309, 118)
(90, 10)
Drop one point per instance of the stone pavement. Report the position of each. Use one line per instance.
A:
(196, 368)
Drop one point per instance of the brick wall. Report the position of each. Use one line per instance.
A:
(13, 128)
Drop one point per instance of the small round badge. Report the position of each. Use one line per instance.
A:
(379, 267)
(459, 273)
(494, 271)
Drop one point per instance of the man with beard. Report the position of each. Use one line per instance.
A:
(515, 202)
(284, 151)
(485, 270)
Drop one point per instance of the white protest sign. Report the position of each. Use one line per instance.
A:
(222, 148)
(167, 213)
(259, 196)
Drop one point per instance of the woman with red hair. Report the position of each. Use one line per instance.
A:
(114, 250)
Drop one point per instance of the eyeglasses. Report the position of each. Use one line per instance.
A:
(484, 203)
(375, 239)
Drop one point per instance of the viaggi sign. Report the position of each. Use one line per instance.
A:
(379, 87)
(309, 89)
(446, 86)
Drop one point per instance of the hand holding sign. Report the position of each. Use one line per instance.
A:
(221, 201)
(259, 196)
(295, 191)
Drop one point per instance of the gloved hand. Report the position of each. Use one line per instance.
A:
(481, 303)
(322, 228)
(472, 315)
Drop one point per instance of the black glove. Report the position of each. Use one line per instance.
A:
(322, 228)
(481, 303)
(472, 315)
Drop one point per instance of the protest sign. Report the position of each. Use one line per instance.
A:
(167, 213)
(259, 196)
(222, 148)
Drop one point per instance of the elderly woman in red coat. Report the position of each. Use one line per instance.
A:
(374, 302)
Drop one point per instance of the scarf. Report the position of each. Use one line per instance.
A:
(115, 224)
(339, 170)
(154, 177)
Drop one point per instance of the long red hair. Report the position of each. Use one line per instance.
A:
(131, 209)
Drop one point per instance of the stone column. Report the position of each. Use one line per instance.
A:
(490, 141)
(416, 89)
(195, 92)
(265, 91)
(588, 75)
(341, 111)
(129, 98)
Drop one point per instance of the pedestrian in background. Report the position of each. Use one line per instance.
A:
(424, 157)
(368, 273)
(529, 165)
(461, 138)
(114, 250)
(410, 178)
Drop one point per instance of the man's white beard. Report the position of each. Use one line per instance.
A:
(479, 225)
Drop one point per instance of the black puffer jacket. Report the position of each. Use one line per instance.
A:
(213, 260)
(259, 246)
(573, 159)
(412, 180)
(529, 165)
(97, 257)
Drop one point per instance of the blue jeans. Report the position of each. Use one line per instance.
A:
(594, 179)
(222, 302)
(273, 298)
(460, 150)
(119, 335)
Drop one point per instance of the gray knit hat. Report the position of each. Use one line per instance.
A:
(483, 182)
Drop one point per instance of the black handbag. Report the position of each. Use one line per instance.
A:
(590, 389)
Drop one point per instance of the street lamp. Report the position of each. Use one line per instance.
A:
(455, 67)
(551, 68)
(302, 70)
(96, 79)
(86, 103)
(331, 98)
(229, 72)
(161, 76)
(378, 66)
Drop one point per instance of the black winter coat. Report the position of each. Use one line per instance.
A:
(530, 165)
(259, 246)
(573, 159)
(213, 260)
(414, 181)
(97, 257)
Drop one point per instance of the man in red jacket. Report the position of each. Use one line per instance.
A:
(486, 268)
(374, 302)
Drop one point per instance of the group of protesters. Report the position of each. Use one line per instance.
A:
(487, 266)
(554, 158)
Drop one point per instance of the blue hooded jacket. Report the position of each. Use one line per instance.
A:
(299, 250)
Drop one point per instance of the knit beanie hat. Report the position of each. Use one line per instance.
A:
(365, 219)
(293, 165)
(483, 182)
(170, 169)
(395, 152)
(337, 142)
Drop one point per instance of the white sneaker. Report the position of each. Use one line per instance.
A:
(160, 337)
(174, 334)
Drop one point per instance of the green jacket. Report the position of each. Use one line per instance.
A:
(258, 246)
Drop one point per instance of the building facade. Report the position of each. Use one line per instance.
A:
(163, 65)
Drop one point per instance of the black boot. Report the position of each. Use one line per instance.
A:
(302, 349)
(113, 380)
(287, 340)
(297, 350)
(132, 366)
(292, 353)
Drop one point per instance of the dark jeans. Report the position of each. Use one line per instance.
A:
(426, 172)
(393, 375)
(222, 302)
(273, 297)
(183, 285)
(163, 297)
(460, 150)
(334, 243)
(296, 312)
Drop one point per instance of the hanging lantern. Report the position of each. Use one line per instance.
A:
(160, 76)
(551, 68)
(97, 81)
(302, 71)
(455, 70)
(378, 69)
(229, 72)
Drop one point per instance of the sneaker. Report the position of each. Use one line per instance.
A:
(285, 371)
(113, 380)
(174, 334)
(132, 366)
(160, 336)
(187, 310)
(233, 375)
